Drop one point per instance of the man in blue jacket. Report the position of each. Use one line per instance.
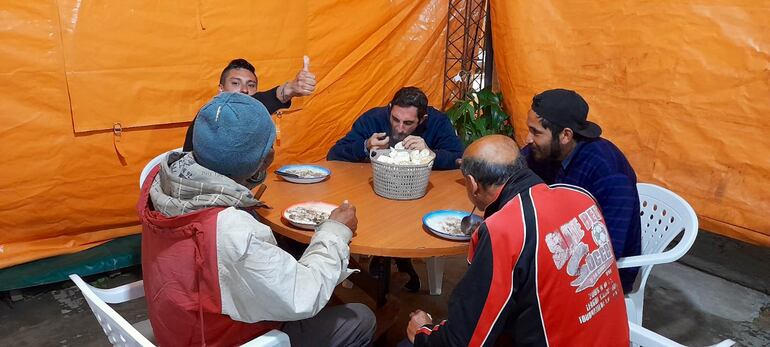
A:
(564, 147)
(407, 119)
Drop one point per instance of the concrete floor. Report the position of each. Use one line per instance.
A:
(718, 291)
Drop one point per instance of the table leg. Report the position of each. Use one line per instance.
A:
(435, 274)
(383, 284)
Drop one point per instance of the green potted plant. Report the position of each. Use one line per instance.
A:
(479, 114)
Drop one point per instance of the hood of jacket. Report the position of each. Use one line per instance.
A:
(183, 186)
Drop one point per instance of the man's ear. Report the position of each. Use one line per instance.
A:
(221, 87)
(475, 188)
(566, 136)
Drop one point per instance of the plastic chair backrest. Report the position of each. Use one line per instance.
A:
(663, 215)
(152, 163)
(117, 329)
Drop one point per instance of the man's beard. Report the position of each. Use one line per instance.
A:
(553, 155)
(396, 138)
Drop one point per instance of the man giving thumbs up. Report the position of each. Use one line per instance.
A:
(239, 76)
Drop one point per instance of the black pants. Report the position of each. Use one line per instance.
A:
(403, 265)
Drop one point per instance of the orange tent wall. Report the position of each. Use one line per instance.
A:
(682, 87)
(71, 69)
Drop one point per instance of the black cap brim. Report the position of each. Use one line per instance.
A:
(590, 130)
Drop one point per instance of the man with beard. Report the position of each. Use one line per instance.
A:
(564, 147)
(407, 119)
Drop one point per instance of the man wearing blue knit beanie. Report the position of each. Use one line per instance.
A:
(213, 273)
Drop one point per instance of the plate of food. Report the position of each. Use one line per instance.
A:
(446, 223)
(303, 173)
(309, 214)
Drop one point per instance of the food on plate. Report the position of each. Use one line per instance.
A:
(451, 225)
(404, 157)
(305, 173)
(307, 215)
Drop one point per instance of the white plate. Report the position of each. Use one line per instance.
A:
(435, 220)
(316, 205)
(315, 168)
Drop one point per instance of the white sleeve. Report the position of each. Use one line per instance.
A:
(259, 281)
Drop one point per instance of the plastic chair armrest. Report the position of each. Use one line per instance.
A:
(122, 293)
(669, 256)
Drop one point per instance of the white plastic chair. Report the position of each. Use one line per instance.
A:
(121, 333)
(151, 164)
(664, 215)
(641, 336)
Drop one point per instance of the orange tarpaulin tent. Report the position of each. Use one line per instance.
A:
(681, 88)
(71, 70)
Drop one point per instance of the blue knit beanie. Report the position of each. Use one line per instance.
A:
(232, 135)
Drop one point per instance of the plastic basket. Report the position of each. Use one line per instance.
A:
(400, 182)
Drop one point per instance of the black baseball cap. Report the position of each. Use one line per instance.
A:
(565, 108)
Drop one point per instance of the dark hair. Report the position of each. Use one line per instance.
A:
(556, 129)
(236, 64)
(488, 174)
(411, 96)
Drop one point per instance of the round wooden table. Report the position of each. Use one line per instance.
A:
(388, 228)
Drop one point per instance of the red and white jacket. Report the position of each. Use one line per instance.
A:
(215, 276)
(542, 273)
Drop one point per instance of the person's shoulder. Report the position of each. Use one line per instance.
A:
(601, 145)
(600, 159)
(438, 121)
(573, 191)
(373, 120)
(375, 113)
(235, 220)
(600, 152)
(435, 115)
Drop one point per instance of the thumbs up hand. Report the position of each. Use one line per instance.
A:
(302, 85)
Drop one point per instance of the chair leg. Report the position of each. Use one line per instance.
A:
(639, 305)
(631, 310)
(435, 274)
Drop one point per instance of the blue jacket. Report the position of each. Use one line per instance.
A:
(436, 130)
(601, 168)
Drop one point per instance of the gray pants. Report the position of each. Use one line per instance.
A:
(342, 325)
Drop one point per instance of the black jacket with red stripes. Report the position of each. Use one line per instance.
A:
(542, 273)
